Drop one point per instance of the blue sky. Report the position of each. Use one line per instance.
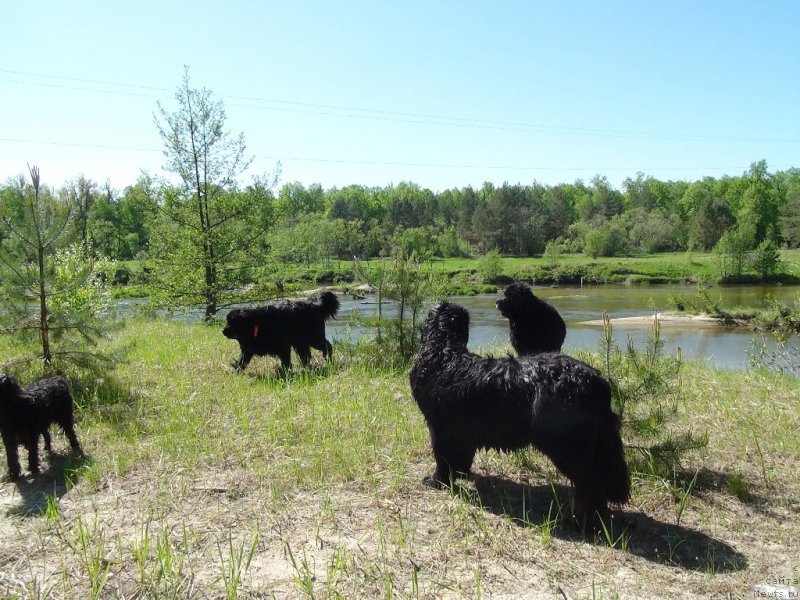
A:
(443, 94)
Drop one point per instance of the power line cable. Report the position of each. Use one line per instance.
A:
(405, 164)
(394, 116)
(399, 163)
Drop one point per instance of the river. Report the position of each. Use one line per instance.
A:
(725, 347)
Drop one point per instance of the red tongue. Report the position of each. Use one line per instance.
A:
(255, 331)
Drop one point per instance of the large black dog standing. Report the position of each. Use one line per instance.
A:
(25, 414)
(275, 329)
(536, 326)
(556, 403)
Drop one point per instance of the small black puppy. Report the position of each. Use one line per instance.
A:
(275, 329)
(536, 326)
(553, 402)
(25, 414)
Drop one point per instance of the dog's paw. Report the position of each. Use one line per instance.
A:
(434, 482)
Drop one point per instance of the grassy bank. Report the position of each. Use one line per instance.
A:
(466, 275)
(202, 483)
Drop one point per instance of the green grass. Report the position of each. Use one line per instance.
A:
(201, 482)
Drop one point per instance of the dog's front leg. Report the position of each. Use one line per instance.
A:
(10, 442)
(243, 361)
(285, 355)
(453, 459)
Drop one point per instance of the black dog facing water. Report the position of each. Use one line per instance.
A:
(557, 404)
(27, 413)
(275, 329)
(535, 325)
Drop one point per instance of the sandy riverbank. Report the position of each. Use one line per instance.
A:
(665, 319)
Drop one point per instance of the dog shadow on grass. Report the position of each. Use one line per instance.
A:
(548, 509)
(309, 374)
(39, 494)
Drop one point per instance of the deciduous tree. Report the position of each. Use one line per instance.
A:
(210, 228)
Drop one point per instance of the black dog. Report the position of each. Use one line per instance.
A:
(536, 326)
(556, 403)
(25, 414)
(276, 329)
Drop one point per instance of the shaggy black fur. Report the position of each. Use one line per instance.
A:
(536, 326)
(25, 414)
(556, 403)
(276, 329)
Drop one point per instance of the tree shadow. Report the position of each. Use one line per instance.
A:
(62, 473)
(708, 483)
(551, 508)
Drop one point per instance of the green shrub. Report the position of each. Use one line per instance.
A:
(647, 394)
(490, 266)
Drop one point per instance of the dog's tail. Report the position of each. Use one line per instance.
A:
(610, 460)
(329, 304)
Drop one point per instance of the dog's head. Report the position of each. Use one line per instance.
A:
(237, 324)
(447, 325)
(7, 384)
(9, 388)
(518, 301)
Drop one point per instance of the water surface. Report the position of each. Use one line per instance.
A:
(726, 347)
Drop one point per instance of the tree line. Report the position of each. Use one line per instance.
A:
(307, 224)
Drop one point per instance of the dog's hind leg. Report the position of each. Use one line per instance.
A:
(324, 346)
(46, 435)
(32, 445)
(69, 429)
(10, 442)
(574, 456)
(590, 495)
